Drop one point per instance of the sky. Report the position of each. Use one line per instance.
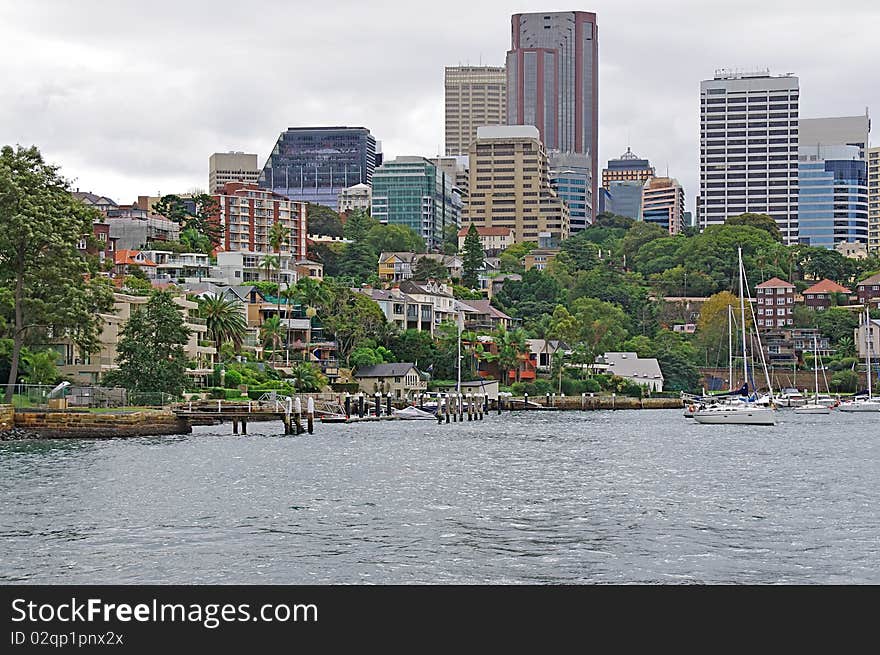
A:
(131, 98)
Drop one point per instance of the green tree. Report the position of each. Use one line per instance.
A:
(845, 381)
(358, 225)
(511, 258)
(596, 325)
(40, 367)
(394, 238)
(192, 241)
(415, 346)
(197, 213)
(307, 378)
(760, 221)
(272, 333)
(428, 267)
(353, 317)
(511, 345)
(637, 237)
(360, 261)
(279, 236)
(224, 319)
(150, 353)
(51, 283)
(322, 220)
(473, 259)
(450, 239)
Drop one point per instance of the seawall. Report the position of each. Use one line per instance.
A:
(66, 424)
(595, 402)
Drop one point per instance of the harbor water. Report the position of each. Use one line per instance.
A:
(526, 497)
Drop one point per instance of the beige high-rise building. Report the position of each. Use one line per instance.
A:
(226, 167)
(510, 185)
(663, 203)
(475, 96)
(873, 155)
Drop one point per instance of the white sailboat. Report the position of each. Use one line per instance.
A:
(814, 407)
(740, 413)
(868, 403)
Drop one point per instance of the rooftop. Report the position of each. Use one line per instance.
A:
(385, 370)
(775, 283)
(826, 286)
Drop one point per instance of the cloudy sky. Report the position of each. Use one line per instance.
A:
(132, 97)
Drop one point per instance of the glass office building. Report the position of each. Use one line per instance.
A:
(413, 192)
(832, 196)
(313, 164)
(625, 199)
(570, 177)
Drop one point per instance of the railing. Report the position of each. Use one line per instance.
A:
(195, 320)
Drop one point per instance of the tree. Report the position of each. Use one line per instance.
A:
(473, 258)
(40, 367)
(193, 241)
(353, 317)
(279, 236)
(360, 261)
(511, 347)
(638, 236)
(363, 356)
(358, 224)
(450, 239)
(322, 220)
(760, 221)
(415, 346)
(271, 262)
(224, 320)
(712, 326)
(272, 334)
(197, 213)
(312, 293)
(582, 254)
(150, 353)
(511, 258)
(428, 267)
(51, 283)
(394, 238)
(307, 378)
(597, 325)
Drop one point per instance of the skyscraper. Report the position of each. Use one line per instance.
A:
(836, 131)
(627, 168)
(873, 199)
(749, 148)
(475, 96)
(553, 80)
(314, 164)
(571, 177)
(226, 167)
(413, 192)
(663, 203)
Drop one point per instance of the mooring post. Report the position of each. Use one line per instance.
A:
(439, 411)
(613, 401)
(347, 405)
(219, 403)
(288, 427)
(244, 426)
(235, 426)
(525, 401)
(448, 398)
(422, 402)
(297, 414)
(377, 399)
(583, 400)
(482, 406)
(310, 407)
(470, 407)
(388, 404)
(498, 403)
(360, 404)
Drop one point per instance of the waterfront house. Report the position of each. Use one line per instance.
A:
(633, 368)
(865, 334)
(820, 295)
(481, 315)
(402, 380)
(868, 291)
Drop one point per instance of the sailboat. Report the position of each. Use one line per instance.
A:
(868, 403)
(814, 407)
(740, 413)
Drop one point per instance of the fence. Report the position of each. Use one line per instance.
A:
(36, 395)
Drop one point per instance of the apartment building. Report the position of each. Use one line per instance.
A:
(475, 96)
(224, 167)
(774, 304)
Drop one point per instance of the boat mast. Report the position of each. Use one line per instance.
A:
(742, 312)
(868, 344)
(460, 326)
(730, 345)
(816, 365)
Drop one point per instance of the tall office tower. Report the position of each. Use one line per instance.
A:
(837, 131)
(456, 169)
(246, 213)
(832, 196)
(749, 148)
(413, 192)
(663, 204)
(873, 199)
(571, 177)
(553, 81)
(624, 198)
(627, 168)
(510, 185)
(475, 96)
(226, 167)
(314, 164)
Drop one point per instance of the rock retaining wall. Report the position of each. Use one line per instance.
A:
(64, 424)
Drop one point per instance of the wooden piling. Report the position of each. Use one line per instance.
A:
(446, 404)
(244, 426)
(311, 414)
(234, 426)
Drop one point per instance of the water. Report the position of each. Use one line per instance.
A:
(608, 497)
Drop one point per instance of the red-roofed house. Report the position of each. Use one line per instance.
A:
(775, 304)
(125, 259)
(869, 291)
(493, 239)
(819, 295)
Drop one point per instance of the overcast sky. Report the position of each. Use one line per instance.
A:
(132, 97)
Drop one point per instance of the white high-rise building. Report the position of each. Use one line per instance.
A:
(749, 148)
(226, 167)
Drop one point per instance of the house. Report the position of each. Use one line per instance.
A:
(852, 249)
(633, 368)
(868, 291)
(492, 239)
(819, 295)
(398, 266)
(126, 260)
(402, 310)
(496, 283)
(483, 387)
(774, 304)
(173, 267)
(437, 294)
(543, 350)
(865, 335)
(484, 354)
(481, 315)
(539, 258)
(402, 380)
(241, 267)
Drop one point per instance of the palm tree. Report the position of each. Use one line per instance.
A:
(312, 293)
(224, 320)
(272, 332)
(307, 377)
(278, 236)
(270, 262)
(511, 346)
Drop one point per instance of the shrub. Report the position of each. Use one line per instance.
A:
(232, 379)
(845, 381)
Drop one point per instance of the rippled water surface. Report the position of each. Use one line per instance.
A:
(630, 496)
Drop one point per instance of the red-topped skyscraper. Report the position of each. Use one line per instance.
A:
(553, 80)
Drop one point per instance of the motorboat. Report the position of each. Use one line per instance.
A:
(791, 397)
(413, 414)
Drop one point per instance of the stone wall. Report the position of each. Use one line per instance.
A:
(7, 418)
(600, 402)
(63, 424)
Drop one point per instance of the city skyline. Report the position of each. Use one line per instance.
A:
(129, 104)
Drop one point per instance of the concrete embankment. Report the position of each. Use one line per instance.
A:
(65, 424)
(593, 403)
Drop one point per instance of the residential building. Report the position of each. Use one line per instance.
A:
(358, 196)
(492, 239)
(438, 294)
(572, 179)
(413, 192)
(475, 96)
(486, 361)
(749, 148)
(629, 366)
(402, 310)
(176, 267)
(402, 380)
(553, 80)
(629, 167)
(868, 291)
(480, 315)
(663, 204)
(246, 214)
(226, 167)
(624, 198)
(820, 295)
(853, 250)
(239, 267)
(868, 336)
(774, 304)
(127, 260)
(832, 196)
(133, 232)
(539, 258)
(101, 203)
(313, 164)
(836, 131)
(510, 184)
(398, 266)
(102, 245)
(542, 352)
(873, 157)
(90, 367)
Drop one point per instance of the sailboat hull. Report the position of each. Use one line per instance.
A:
(860, 406)
(736, 416)
(812, 408)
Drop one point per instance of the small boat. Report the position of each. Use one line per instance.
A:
(413, 414)
(791, 397)
(868, 402)
(814, 407)
(735, 414)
